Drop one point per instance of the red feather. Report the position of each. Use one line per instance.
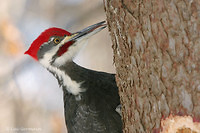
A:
(64, 48)
(44, 37)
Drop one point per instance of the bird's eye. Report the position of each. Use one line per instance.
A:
(56, 40)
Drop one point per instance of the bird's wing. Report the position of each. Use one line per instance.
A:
(94, 113)
(88, 120)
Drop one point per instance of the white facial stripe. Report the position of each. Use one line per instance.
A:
(72, 86)
(48, 56)
(51, 39)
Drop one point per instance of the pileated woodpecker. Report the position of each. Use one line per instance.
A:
(90, 97)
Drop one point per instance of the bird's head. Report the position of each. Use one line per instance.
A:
(56, 46)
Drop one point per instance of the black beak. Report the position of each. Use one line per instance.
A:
(87, 32)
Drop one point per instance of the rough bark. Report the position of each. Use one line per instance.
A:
(156, 46)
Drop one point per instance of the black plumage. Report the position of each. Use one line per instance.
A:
(94, 109)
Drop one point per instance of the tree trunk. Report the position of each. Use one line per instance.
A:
(156, 46)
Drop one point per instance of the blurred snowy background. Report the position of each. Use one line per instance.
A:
(30, 99)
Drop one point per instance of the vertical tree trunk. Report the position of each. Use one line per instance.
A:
(156, 46)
